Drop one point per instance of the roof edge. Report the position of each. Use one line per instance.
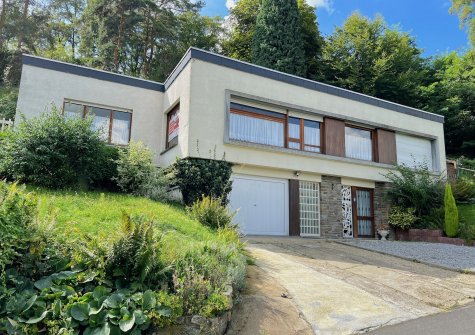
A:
(84, 71)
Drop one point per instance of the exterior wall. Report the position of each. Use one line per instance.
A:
(39, 88)
(381, 205)
(208, 120)
(331, 225)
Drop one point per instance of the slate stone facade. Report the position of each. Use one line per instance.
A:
(331, 225)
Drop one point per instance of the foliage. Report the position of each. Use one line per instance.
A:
(433, 220)
(51, 150)
(104, 171)
(8, 99)
(415, 188)
(211, 212)
(400, 217)
(197, 177)
(135, 256)
(463, 189)
(467, 221)
(368, 57)
(465, 10)
(451, 222)
(277, 42)
(136, 173)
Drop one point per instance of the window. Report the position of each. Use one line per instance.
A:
(309, 208)
(173, 126)
(303, 134)
(255, 125)
(113, 125)
(358, 143)
(414, 151)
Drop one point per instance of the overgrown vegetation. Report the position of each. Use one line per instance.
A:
(136, 279)
(8, 99)
(211, 213)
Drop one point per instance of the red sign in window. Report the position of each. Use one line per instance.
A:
(173, 125)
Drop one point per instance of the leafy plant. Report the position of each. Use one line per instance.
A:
(451, 223)
(197, 177)
(51, 150)
(400, 217)
(211, 213)
(463, 189)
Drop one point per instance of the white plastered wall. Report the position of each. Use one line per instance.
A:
(209, 84)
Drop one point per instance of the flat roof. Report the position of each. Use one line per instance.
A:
(210, 57)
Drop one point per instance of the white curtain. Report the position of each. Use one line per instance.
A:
(73, 110)
(101, 121)
(312, 135)
(120, 128)
(256, 130)
(358, 144)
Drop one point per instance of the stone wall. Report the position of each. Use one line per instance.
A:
(382, 205)
(330, 208)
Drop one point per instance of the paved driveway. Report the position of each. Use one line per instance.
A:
(343, 290)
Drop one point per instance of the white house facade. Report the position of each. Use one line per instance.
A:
(309, 159)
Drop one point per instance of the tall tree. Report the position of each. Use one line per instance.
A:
(465, 9)
(277, 41)
(368, 57)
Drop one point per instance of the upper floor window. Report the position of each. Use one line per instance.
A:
(173, 126)
(257, 126)
(358, 143)
(303, 134)
(113, 125)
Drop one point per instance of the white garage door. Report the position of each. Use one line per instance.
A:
(262, 203)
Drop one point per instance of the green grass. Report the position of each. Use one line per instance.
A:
(467, 221)
(99, 214)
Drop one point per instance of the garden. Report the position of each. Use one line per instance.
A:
(91, 242)
(424, 200)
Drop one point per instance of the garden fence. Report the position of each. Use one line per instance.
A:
(465, 173)
(5, 123)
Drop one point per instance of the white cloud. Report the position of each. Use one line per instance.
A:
(230, 4)
(325, 4)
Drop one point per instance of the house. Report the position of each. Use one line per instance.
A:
(309, 159)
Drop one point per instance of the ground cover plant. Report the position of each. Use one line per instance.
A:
(99, 269)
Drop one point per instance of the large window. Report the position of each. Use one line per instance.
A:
(358, 143)
(265, 127)
(414, 151)
(113, 125)
(173, 126)
(257, 126)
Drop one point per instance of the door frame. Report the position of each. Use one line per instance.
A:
(354, 209)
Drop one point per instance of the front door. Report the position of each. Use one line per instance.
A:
(363, 214)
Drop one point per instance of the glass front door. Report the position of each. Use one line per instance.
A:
(363, 217)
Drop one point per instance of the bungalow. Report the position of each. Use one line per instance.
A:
(309, 159)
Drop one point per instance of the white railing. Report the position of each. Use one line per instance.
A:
(5, 123)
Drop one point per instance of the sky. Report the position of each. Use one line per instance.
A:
(436, 31)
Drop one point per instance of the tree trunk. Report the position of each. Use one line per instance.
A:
(119, 39)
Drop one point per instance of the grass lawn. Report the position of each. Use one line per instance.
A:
(467, 219)
(100, 214)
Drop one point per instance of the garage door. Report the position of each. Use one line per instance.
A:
(262, 204)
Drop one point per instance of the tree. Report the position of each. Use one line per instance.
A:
(465, 10)
(277, 42)
(368, 57)
(451, 222)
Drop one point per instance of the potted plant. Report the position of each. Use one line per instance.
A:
(401, 219)
(383, 232)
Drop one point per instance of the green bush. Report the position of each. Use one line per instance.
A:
(136, 173)
(197, 177)
(416, 188)
(400, 217)
(104, 172)
(434, 220)
(463, 189)
(211, 213)
(8, 100)
(451, 223)
(51, 151)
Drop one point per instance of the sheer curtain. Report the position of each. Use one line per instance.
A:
(120, 128)
(312, 135)
(72, 110)
(358, 144)
(256, 130)
(101, 121)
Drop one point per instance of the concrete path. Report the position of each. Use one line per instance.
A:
(458, 322)
(340, 289)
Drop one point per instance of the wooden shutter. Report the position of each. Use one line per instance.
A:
(294, 212)
(334, 138)
(386, 146)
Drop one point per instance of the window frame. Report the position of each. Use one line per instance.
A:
(301, 141)
(85, 112)
(372, 134)
(168, 143)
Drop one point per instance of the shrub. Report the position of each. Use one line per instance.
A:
(211, 213)
(400, 217)
(434, 220)
(451, 223)
(197, 177)
(104, 172)
(136, 173)
(463, 189)
(51, 151)
(8, 100)
(415, 188)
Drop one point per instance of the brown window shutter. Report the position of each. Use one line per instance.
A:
(294, 212)
(386, 146)
(334, 137)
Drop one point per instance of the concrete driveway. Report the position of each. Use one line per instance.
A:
(340, 289)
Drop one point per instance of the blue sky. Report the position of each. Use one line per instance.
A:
(436, 30)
